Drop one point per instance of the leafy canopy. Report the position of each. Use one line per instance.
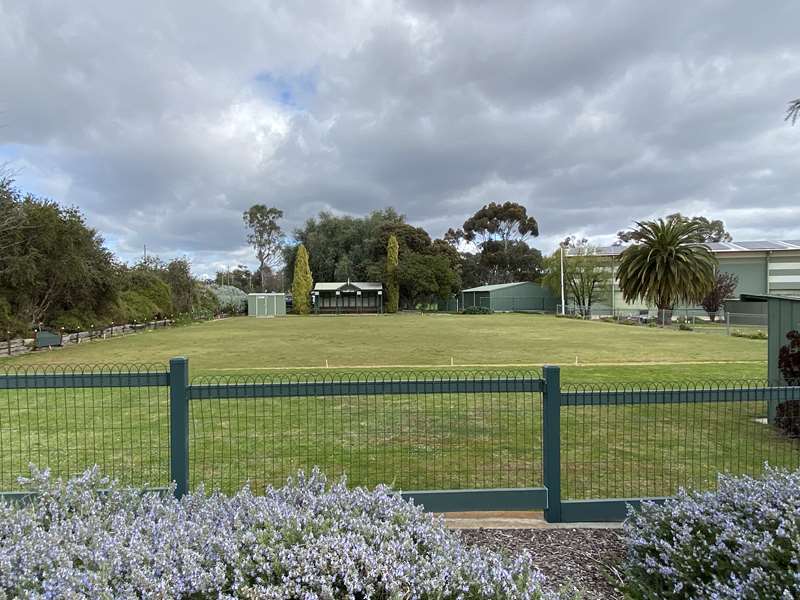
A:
(265, 236)
(708, 230)
(669, 264)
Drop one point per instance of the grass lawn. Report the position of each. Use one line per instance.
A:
(425, 441)
(603, 351)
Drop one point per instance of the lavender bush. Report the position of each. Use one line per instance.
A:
(742, 541)
(307, 540)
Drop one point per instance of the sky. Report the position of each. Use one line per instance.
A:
(163, 121)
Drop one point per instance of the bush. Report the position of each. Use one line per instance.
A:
(305, 540)
(787, 418)
(742, 541)
(230, 299)
(750, 335)
(477, 310)
(685, 327)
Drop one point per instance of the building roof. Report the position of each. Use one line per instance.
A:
(496, 286)
(266, 294)
(715, 247)
(765, 297)
(332, 286)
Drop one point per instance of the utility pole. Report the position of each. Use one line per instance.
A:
(563, 308)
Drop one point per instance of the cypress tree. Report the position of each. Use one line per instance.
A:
(302, 283)
(392, 283)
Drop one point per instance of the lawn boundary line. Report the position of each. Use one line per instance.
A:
(495, 365)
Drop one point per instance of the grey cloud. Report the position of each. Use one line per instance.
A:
(166, 121)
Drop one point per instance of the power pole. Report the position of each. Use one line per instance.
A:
(563, 311)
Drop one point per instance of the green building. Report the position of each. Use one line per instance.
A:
(762, 267)
(266, 304)
(523, 296)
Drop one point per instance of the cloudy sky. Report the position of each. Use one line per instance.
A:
(163, 121)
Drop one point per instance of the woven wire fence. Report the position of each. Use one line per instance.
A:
(640, 441)
(436, 437)
(123, 430)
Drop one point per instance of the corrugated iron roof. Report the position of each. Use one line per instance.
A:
(496, 286)
(715, 247)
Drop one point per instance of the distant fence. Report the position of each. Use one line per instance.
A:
(17, 346)
(452, 440)
(721, 322)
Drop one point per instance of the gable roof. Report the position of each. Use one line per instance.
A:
(496, 286)
(333, 286)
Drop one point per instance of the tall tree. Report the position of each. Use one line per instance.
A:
(501, 232)
(178, 276)
(708, 230)
(63, 267)
(302, 283)
(669, 265)
(587, 277)
(724, 287)
(392, 281)
(265, 236)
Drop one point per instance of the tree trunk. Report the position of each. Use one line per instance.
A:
(664, 315)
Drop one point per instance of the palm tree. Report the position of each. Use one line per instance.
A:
(793, 112)
(669, 265)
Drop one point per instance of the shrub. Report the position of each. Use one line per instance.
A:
(477, 310)
(230, 299)
(750, 335)
(789, 359)
(787, 418)
(685, 327)
(742, 541)
(305, 540)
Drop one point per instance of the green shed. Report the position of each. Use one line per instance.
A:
(523, 296)
(266, 304)
(783, 316)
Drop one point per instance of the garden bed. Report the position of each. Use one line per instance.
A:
(588, 559)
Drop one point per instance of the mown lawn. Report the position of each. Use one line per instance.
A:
(425, 441)
(603, 351)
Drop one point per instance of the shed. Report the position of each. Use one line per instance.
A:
(523, 296)
(266, 304)
(783, 316)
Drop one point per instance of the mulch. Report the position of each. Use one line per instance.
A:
(587, 559)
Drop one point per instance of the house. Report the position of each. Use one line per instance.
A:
(348, 297)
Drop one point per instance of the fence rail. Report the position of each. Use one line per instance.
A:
(451, 440)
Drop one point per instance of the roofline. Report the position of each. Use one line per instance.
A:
(786, 247)
(497, 286)
(765, 297)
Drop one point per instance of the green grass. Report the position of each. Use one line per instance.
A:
(415, 442)
(603, 351)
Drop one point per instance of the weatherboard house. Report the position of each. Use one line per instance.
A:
(348, 297)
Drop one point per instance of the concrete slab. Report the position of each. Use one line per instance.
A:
(513, 520)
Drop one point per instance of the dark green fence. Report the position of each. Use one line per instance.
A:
(68, 418)
(452, 440)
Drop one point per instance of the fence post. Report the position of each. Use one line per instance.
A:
(551, 442)
(179, 424)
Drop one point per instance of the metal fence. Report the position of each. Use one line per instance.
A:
(451, 440)
(68, 418)
(418, 431)
(690, 319)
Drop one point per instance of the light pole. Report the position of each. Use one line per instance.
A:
(563, 312)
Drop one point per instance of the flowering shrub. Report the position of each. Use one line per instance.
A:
(742, 541)
(307, 540)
